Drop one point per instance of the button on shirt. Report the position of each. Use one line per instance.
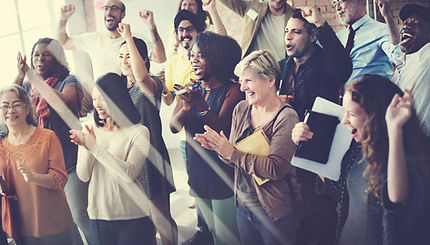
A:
(372, 52)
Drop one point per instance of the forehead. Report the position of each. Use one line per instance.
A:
(41, 47)
(248, 73)
(295, 23)
(114, 2)
(9, 96)
(416, 17)
(185, 23)
(351, 105)
(189, 2)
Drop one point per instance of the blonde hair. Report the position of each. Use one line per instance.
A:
(263, 62)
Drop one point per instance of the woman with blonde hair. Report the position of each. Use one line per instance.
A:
(265, 211)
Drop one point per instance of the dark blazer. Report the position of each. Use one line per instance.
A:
(328, 68)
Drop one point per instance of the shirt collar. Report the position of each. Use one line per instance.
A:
(361, 22)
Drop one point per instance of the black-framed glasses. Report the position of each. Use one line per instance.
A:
(15, 106)
(112, 8)
(188, 29)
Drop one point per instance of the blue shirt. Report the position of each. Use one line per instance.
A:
(372, 51)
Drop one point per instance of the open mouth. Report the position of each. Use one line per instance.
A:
(354, 132)
(406, 37)
(288, 47)
(110, 19)
(197, 70)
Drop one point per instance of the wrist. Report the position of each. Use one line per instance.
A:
(63, 21)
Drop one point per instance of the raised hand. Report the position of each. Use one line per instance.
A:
(384, 7)
(67, 11)
(21, 65)
(313, 15)
(124, 31)
(301, 132)
(400, 110)
(209, 6)
(147, 17)
(85, 138)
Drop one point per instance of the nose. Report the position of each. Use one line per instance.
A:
(288, 36)
(345, 119)
(124, 60)
(243, 86)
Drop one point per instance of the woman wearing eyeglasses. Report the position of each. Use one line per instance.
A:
(34, 205)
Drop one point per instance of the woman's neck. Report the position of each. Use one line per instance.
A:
(110, 125)
(130, 81)
(212, 82)
(261, 114)
(19, 134)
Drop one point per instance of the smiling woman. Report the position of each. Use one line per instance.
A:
(35, 208)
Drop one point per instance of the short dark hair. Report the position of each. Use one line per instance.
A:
(200, 12)
(197, 21)
(310, 28)
(222, 52)
(143, 50)
(123, 7)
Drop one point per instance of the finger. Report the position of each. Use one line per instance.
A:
(412, 87)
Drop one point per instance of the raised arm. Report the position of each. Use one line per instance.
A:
(385, 8)
(340, 64)
(159, 54)
(140, 73)
(210, 7)
(63, 38)
(237, 6)
(398, 113)
(22, 68)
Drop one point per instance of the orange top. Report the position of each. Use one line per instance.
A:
(38, 211)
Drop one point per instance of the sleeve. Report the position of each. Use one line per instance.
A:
(127, 169)
(56, 165)
(339, 62)
(277, 164)
(168, 73)
(392, 51)
(238, 6)
(72, 81)
(85, 164)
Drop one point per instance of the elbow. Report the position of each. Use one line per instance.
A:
(398, 197)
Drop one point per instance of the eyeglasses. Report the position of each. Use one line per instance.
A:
(112, 8)
(188, 29)
(16, 106)
(337, 3)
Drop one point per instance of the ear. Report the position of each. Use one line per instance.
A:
(314, 35)
(122, 15)
(272, 82)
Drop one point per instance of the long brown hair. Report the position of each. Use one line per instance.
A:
(374, 93)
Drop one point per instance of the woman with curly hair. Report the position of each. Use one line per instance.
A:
(387, 192)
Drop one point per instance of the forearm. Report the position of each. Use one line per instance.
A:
(19, 80)
(44, 180)
(138, 66)
(218, 25)
(392, 29)
(62, 36)
(178, 118)
(167, 97)
(237, 6)
(158, 54)
(397, 172)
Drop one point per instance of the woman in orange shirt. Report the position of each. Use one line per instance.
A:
(34, 207)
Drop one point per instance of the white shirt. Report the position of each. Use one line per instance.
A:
(416, 69)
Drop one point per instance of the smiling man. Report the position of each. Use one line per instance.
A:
(263, 24)
(103, 47)
(415, 69)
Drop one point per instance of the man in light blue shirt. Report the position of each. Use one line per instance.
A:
(372, 52)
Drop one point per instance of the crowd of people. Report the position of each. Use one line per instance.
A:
(240, 109)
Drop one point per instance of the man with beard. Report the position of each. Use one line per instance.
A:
(179, 71)
(415, 66)
(103, 47)
(263, 24)
(368, 41)
(313, 70)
